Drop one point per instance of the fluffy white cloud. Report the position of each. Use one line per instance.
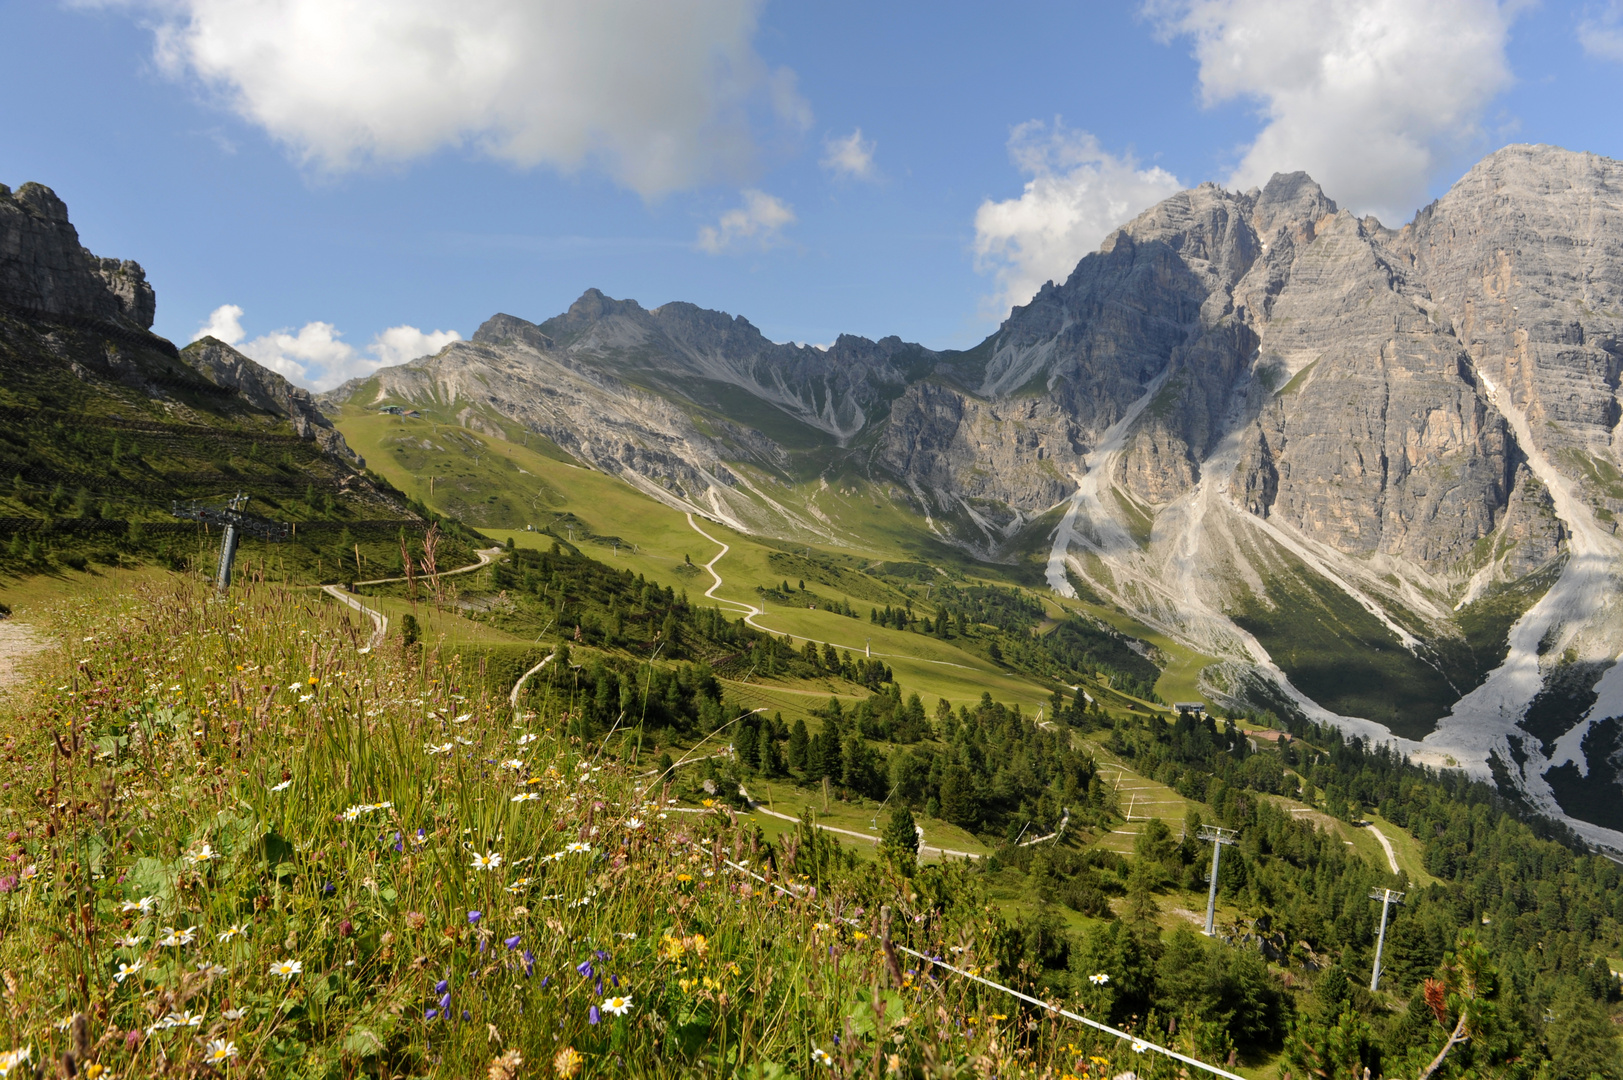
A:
(1601, 34)
(1077, 194)
(225, 323)
(850, 156)
(759, 223)
(399, 344)
(1370, 97)
(661, 94)
(315, 356)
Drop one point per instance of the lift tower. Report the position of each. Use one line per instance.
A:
(233, 523)
(1218, 838)
(1387, 897)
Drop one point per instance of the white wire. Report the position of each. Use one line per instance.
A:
(1107, 1029)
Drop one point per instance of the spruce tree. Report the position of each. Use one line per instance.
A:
(799, 747)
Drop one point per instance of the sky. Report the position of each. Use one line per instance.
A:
(333, 185)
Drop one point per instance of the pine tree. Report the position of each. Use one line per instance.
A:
(900, 840)
(799, 748)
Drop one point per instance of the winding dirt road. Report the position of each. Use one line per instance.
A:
(751, 612)
(380, 621)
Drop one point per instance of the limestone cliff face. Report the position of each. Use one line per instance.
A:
(1379, 440)
(999, 460)
(45, 271)
(1523, 259)
(264, 389)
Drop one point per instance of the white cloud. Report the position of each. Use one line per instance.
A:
(315, 355)
(1077, 194)
(759, 223)
(225, 323)
(1370, 97)
(850, 156)
(660, 94)
(1602, 34)
(399, 344)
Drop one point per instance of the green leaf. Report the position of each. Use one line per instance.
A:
(363, 1042)
(766, 1070)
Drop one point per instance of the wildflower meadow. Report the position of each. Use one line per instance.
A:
(241, 842)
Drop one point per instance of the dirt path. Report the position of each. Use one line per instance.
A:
(380, 621)
(758, 808)
(18, 641)
(751, 612)
(1391, 856)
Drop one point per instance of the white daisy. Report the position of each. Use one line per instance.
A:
(442, 748)
(234, 930)
(619, 1006)
(283, 786)
(220, 1051)
(526, 796)
(286, 969)
(490, 860)
(143, 905)
(126, 970)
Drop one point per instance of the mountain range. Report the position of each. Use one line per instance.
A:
(1364, 473)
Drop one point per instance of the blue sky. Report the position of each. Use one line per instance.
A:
(333, 184)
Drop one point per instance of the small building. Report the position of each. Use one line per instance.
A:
(1193, 708)
(391, 410)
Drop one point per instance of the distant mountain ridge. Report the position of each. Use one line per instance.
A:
(1371, 473)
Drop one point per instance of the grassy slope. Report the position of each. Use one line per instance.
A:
(654, 540)
(372, 927)
(102, 431)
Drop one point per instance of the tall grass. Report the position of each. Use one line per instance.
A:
(239, 841)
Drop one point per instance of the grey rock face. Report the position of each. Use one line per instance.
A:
(1524, 257)
(1380, 442)
(44, 270)
(690, 353)
(264, 389)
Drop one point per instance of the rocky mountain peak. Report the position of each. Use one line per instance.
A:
(1290, 200)
(501, 329)
(45, 270)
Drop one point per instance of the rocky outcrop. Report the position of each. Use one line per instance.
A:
(264, 389)
(1002, 460)
(45, 271)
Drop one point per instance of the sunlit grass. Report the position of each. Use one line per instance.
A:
(237, 840)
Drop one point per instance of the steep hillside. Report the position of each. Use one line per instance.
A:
(1368, 474)
(104, 427)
